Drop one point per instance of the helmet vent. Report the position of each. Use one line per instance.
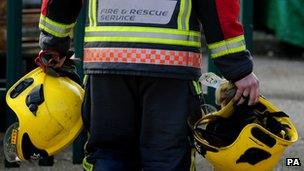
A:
(263, 137)
(253, 156)
(21, 87)
(35, 98)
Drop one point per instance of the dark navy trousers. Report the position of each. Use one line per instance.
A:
(138, 123)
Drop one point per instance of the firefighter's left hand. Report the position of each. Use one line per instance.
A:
(248, 90)
(56, 65)
(49, 60)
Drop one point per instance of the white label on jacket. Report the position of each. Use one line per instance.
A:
(135, 11)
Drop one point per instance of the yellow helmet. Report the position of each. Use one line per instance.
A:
(49, 116)
(238, 138)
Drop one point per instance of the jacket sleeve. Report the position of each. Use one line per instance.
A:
(225, 37)
(57, 20)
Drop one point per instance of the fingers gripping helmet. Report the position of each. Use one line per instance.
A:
(49, 114)
(244, 137)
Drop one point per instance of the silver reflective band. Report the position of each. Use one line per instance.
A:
(144, 35)
(184, 16)
(226, 47)
(55, 28)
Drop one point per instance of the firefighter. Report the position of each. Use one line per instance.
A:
(143, 60)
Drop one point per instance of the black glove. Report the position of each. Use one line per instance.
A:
(54, 64)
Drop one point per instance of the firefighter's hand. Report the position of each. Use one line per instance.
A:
(247, 90)
(55, 65)
(49, 61)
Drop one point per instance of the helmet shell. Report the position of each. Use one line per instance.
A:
(255, 148)
(48, 110)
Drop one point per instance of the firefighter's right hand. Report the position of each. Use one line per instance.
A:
(248, 90)
(49, 61)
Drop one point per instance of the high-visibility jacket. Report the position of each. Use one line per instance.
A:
(150, 37)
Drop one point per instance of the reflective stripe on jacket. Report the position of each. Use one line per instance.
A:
(153, 37)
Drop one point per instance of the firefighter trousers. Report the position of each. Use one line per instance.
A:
(138, 123)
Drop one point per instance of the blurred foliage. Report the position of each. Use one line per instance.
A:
(285, 18)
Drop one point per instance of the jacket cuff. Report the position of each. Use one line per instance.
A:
(235, 66)
(48, 41)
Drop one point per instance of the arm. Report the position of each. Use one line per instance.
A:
(225, 38)
(57, 19)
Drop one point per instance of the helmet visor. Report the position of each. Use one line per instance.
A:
(10, 143)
